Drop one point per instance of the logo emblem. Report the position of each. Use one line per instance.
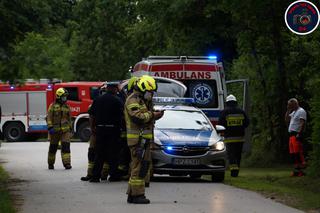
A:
(202, 93)
(302, 17)
(185, 149)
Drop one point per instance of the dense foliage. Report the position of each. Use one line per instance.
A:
(99, 40)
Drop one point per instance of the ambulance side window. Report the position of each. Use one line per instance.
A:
(73, 93)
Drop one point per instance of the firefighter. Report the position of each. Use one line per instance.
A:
(124, 157)
(106, 111)
(139, 122)
(296, 118)
(59, 128)
(235, 121)
(91, 153)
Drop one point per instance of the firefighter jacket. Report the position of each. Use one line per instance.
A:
(235, 121)
(59, 117)
(139, 118)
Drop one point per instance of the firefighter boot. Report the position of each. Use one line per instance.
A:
(68, 166)
(86, 178)
(140, 199)
(50, 166)
(130, 197)
(94, 180)
(234, 173)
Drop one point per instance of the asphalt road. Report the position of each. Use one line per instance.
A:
(61, 190)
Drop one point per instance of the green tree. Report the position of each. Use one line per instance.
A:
(41, 57)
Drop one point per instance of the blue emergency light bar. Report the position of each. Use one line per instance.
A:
(173, 101)
(212, 57)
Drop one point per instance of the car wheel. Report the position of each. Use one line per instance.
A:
(84, 131)
(14, 132)
(217, 177)
(195, 176)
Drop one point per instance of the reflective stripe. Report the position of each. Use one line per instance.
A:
(235, 119)
(233, 139)
(234, 167)
(130, 106)
(90, 165)
(105, 166)
(135, 136)
(136, 182)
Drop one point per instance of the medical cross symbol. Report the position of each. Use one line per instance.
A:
(202, 93)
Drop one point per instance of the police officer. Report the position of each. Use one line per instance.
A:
(139, 123)
(106, 110)
(59, 128)
(235, 121)
(92, 144)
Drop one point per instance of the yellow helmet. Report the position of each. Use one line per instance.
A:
(61, 92)
(146, 83)
(132, 81)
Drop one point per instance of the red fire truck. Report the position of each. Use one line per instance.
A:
(24, 107)
(203, 76)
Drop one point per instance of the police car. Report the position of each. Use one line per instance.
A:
(185, 141)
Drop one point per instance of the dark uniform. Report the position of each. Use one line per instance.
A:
(235, 121)
(107, 111)
(91, 154)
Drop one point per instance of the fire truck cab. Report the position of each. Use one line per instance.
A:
(24, 107)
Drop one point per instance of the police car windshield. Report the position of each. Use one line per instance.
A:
(181, 119)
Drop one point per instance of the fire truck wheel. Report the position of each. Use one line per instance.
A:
(84, 131)
(14, 131)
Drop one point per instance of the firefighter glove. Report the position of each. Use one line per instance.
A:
(140, 152)
(51, 131)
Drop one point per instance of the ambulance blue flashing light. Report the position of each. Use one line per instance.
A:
(212, 57)
(173, 101)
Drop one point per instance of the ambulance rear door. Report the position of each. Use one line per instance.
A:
(240, 89)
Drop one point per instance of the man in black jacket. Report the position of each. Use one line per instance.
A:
(235, 121)
(107, 111)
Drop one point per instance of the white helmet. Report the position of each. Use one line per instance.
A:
(231, 98)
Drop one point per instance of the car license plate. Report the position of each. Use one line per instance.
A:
(186, 161)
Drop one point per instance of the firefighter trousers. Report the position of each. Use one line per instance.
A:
(136, 184)
(234, 151)
(64, 137)
(124, 157)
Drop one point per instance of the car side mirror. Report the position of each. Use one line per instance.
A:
(220, 129)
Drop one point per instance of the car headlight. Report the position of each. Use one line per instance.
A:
(218, 146)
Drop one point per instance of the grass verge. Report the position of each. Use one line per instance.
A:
(275, 183)
(6, 204)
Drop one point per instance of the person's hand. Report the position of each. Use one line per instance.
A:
(51, 131)
(289, 108)
(158, 114)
